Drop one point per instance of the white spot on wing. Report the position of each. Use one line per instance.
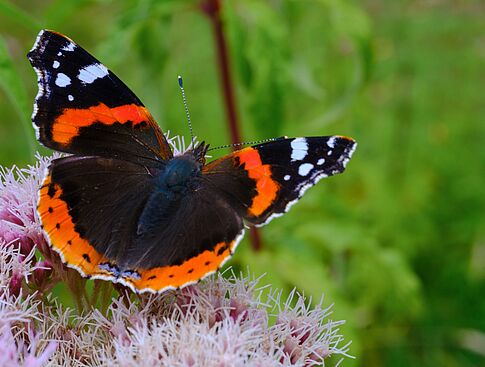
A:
(353, 149)
(306, 184)
(62, 80)
(55, 64)
(92, 72)
(299, 149)
(321, 161)
(43, 89)
(37, 40)
(331, 142)
(59, 53)
(301, 190)
(70, 97)
(330, 152)
(305, 169)
(69, 47)
(287, 177)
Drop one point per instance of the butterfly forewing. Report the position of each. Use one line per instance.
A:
(83, 108)
(264, 180)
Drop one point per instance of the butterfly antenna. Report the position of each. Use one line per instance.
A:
(245, 143)
(181, 85)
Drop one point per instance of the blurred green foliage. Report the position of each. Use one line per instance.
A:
(398, 241)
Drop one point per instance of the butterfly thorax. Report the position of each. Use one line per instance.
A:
(179, 173)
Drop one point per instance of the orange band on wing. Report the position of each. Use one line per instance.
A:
(78, 253)
(190, 271)
(266, 187)
(67, 125)
(58, 225)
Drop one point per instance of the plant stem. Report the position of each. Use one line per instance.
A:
(212, 8)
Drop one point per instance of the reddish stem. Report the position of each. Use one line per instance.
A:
(213, 10)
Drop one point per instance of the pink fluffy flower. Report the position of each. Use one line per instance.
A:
(225, 320)
(222, 322)
(22, 354)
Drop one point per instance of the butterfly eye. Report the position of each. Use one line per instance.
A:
(201, 160)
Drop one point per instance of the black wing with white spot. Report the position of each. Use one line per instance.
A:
(263, 181)
(83, 108)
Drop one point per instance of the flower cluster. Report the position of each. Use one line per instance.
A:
(226, 320)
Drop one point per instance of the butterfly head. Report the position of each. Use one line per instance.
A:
(200, 152)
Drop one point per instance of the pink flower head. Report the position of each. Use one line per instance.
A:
(217, 322)
(22, 353)
(19, 222)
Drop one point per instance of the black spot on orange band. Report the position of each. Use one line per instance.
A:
(78, 253)
(60, 229)
(190, 271)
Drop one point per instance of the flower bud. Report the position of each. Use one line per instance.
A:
(238, 310)
(292, 348)
(15, 284)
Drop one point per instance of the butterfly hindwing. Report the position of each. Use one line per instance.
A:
(263, 181)
(187, 240)
(83, 108)
(92, 210)
(88, 205)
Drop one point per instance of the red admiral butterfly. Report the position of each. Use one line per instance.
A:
(122, 207)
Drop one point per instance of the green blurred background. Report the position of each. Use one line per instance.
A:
(398, 241)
